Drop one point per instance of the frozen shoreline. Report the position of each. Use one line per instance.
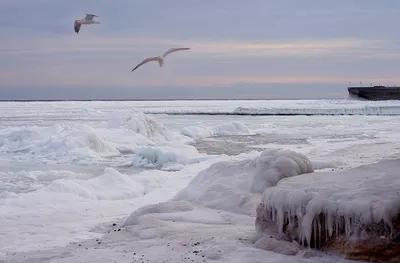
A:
(195, 230)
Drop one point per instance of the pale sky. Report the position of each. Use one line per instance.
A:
(241, 49)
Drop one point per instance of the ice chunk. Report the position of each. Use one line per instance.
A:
(237, 186)
(314, 207)
(159, 156)
(70, 142)
(142, 124)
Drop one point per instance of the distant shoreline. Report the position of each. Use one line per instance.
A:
(35, 100)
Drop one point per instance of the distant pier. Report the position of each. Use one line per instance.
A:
(376, 92)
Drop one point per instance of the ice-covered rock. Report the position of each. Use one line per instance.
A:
(353, 206)
(381, 250)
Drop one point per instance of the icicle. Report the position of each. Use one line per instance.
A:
(306, 224)
(319, 230)
(280, 219)
(337, 226)
(273, 214)
(315, 222)
(347, 225)
(329, 224)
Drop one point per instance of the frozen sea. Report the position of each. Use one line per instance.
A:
(73, 173)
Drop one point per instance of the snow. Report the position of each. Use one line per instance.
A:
(171, 184)
(362, 196)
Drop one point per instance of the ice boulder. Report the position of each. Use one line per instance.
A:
(236, 186)
(355, 211)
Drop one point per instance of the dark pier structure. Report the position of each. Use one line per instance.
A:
(375, 92)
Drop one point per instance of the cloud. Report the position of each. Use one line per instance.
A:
(232, 42)
(238, 48)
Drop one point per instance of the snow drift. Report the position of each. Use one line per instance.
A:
(315, 209)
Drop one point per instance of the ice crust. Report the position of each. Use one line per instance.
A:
(313, 207)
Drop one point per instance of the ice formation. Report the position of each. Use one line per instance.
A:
(227, 128)
(160, 156)
(68, 142)
(236, 186)
(142, 124)
(128, 133)
(362, 202)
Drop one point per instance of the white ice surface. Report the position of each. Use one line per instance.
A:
(46, 145)
(101, 108)
(197, 235)
(72, 204)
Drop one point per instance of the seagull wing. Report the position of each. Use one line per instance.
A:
(77, 27)
(145, 61)
(174, 49)
(90, 16)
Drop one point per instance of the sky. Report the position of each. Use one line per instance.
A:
(239, 49)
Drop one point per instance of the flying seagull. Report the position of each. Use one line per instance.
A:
(88, 20)
(160, 59)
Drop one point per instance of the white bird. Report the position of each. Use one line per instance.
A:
(88, 20)
(160, 59)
